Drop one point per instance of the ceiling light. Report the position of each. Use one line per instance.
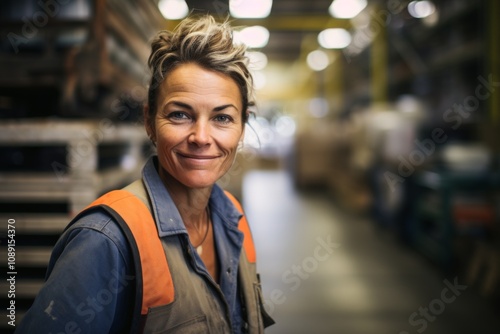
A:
(254, 9)
(317, 60)
(346, 9)
(258, 60)
(173, 9)
(334, 38)
(253, 37)
(421, 9)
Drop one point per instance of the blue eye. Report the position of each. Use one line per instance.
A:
(177, 115)
(223, 119)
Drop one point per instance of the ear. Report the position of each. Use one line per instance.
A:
(149, 124)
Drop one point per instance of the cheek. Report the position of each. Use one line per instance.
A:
(166, 134)
(166, 141)
(229, 142)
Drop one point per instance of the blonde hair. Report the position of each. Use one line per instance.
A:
(207, 43)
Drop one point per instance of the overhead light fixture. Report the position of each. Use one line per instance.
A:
(317, 60)
(334, 38)
(258, 60)
(421, 9)
(251, 9)
(252, 37)
(173, 9)
(346, 9)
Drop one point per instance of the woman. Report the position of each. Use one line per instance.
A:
(170, 253)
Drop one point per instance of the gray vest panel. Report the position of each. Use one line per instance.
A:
(199, 305)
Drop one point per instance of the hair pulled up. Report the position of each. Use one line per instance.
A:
(207, 43)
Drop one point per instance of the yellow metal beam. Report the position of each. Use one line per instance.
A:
(297, 23)
(285, 23)
(379, 63)
(334, 82)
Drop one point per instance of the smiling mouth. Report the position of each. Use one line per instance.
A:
(197, 157)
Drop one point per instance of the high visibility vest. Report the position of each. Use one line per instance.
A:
(155, 286)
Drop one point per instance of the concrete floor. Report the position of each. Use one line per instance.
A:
(326, 271)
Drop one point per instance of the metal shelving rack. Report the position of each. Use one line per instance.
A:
(70, 98)
(436, 240)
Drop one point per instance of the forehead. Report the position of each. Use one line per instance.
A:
(195, 84)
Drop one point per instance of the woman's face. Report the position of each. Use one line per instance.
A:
(198, 125)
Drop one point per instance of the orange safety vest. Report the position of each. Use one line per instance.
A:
(151, 268)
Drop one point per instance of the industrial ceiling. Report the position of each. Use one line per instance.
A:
(289, 23)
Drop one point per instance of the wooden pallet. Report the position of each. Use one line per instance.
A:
(43, 203)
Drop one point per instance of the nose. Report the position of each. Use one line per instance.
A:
(200, 134)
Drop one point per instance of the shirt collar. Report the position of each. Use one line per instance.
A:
(166, 214)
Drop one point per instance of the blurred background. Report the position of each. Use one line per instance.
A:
(370, 173)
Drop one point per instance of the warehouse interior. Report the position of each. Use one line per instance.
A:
(375, 143)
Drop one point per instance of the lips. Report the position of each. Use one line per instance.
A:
(196, 156)
(197, 161)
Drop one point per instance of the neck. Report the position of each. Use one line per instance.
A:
(191, 202)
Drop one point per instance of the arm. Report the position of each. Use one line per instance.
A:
(89, 286)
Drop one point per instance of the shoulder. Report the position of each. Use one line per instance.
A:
(89, 280)
(232, 211)
(96, 231)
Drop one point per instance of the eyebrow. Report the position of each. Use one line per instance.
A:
(179, 104)
(225, 106)
(187, 106)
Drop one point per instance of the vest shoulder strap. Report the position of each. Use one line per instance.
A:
(243, 226)
(155, 272)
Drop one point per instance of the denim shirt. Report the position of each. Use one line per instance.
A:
(90, 282)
